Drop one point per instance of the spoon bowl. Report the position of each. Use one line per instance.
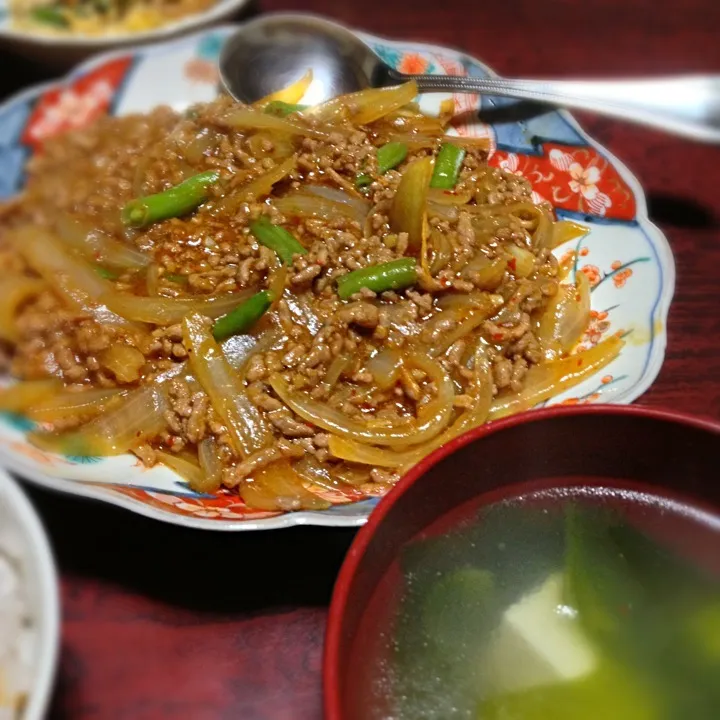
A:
(270, 53)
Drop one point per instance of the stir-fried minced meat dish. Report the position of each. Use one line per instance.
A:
(282, 301)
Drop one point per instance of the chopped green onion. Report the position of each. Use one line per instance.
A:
(180, 279)
(389, 156)
(49, 15)
(277, 239)
(243, 317)
(393, 275)
(283, 109)
(105, 273)
(447, 167)
(173, 202)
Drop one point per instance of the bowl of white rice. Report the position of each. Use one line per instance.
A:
(29, 608)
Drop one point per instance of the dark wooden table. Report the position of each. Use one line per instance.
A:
(161, 622)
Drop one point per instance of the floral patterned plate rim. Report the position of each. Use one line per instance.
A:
(626, 258)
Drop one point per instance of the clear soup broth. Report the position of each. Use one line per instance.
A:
(561, 604)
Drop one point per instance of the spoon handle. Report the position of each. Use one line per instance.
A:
(685, 105)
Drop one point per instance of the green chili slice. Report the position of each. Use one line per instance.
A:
(105, 273)
(389, 156)
(173, 202)
(243, 317)
(447, 166)
(179, 279)
(283, 109)
(393, 275)
(50, 15)
(277, 239)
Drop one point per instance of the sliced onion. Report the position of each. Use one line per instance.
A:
(239, 349)
(211, 465)
(334, 372)
(409, 120)
(152, 279)
(369, 105)
(471, 143)
(365, 106)
(14, 292)
(247, 427)
(78, 284)
(314, 473)
(303, 313)
(277, 282)
(415, 141)
(565, 318)
(524, 211)
(160, 310)
(486, 274)
(306, 204)
(432, 418)
(466, 320)
(251, 119)
(552, 378)
(360, 205)
(358, 452)
(408, 211)
(140, 417)
(70, 403)
(332, 112)
(445, 212)
(543, 235)
(565, 230)
(464, 302)
(282, 147)
(25, 394)
(123, 361)
(442, 251)
(522, 261)
(259, 187)
(187, 470)
(98, 247)
(481, 390)
(194, 151)
(385, 367)
(292, 94)
(278, 487)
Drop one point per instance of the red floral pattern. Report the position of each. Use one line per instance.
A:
(223, 506)
(413, 64)
(572, 178)
(199, 70)
(75, 105)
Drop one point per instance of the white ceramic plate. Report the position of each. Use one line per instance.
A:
(626, 257)
(66, 49)
(22, 536)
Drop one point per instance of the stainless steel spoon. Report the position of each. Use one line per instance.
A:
(271, 52)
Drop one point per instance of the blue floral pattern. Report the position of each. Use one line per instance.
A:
(18, 422)
(83, 459)
(209, 47)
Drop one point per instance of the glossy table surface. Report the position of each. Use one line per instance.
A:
(161, 622)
